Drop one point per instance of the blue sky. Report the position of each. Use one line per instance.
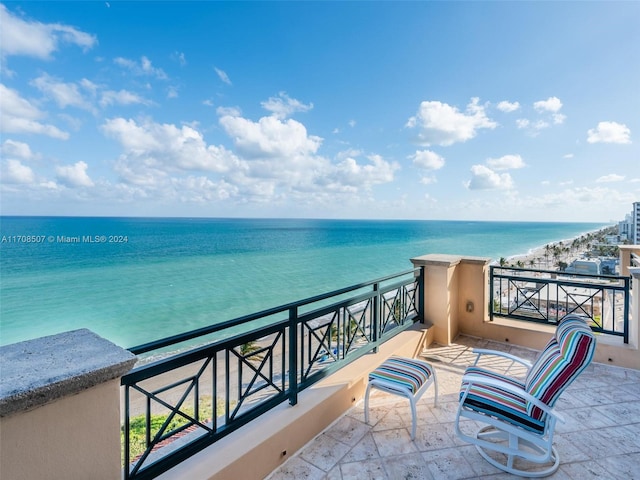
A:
(394, 110)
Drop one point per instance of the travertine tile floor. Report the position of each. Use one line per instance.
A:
(600, 439)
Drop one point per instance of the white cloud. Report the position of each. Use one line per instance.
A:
(612, 177)
(122, 97)
(568, 155)
(222, 75)
(506, 162)
(427, 159)
(20, 116)
(269, 137)
(15, 149)
(609, 132)
(180, 58)
(428, 180)
(13, 171)
(551, 104)
(152, 150)
(74, 175)
(142, 68)
(283, 106)
(377, 171)
(35, 39)
(508, 107)
(442, 124)
(549, 111)
(483, 178)
(274, 161)
(65, 94)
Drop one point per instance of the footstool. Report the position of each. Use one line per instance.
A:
(402, 376)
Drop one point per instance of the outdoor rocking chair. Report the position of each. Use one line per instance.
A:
(518, 416)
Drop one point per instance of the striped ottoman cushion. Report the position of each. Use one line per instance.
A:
(407, 372)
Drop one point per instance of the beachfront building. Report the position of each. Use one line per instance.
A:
(635, 232)
(629, 228)
(587, 266)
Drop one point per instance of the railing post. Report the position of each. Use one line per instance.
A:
(421, 294)
(376, 315)
(627, 302)
(634, 316)
(294, 348)
(491, 293)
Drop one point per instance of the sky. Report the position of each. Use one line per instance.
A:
(513, 111)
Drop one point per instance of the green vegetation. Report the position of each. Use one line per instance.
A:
(138, 424)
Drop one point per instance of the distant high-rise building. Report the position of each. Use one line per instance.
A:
(629, 228)
(635, 218)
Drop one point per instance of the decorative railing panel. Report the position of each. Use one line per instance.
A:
(179, 404)
(547, 296)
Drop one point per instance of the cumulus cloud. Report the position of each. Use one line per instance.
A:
(283, 106)
(508, 107)
(269, 137)
(442, 124)
(506, 162)
(483, 178)
(21, 116)
(74, 175)
(551, 104)
(66, 94)
(376, 171)
(222, 75)
(20, 36)
(121, 97)
(142, 68)
(15, 149)
(271, 160)
(548, 115)
(612, 177)
(427, 159)
(151, 150)
(13, 171)
(609, 132)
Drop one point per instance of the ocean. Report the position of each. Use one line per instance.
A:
(134, 280)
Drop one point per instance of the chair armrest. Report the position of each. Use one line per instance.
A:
(482, 351)
(472, 379)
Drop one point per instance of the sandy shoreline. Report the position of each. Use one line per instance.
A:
(543, 258)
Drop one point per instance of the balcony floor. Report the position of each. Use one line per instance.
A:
(600, 439)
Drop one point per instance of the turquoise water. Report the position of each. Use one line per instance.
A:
(133, 280)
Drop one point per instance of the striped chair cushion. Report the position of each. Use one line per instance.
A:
(498, 403)
(407, 372)
(564, 358)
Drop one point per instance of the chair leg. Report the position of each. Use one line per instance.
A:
(435, 387)
(515, 451)
(414, 416)
(366, 403)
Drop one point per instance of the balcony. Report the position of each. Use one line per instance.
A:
(310, 402)
(599, 440)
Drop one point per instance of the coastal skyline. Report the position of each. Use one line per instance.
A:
(404, 110)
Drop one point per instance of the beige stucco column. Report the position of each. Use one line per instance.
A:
(455, 292)
(625, 257)
(60, 407)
